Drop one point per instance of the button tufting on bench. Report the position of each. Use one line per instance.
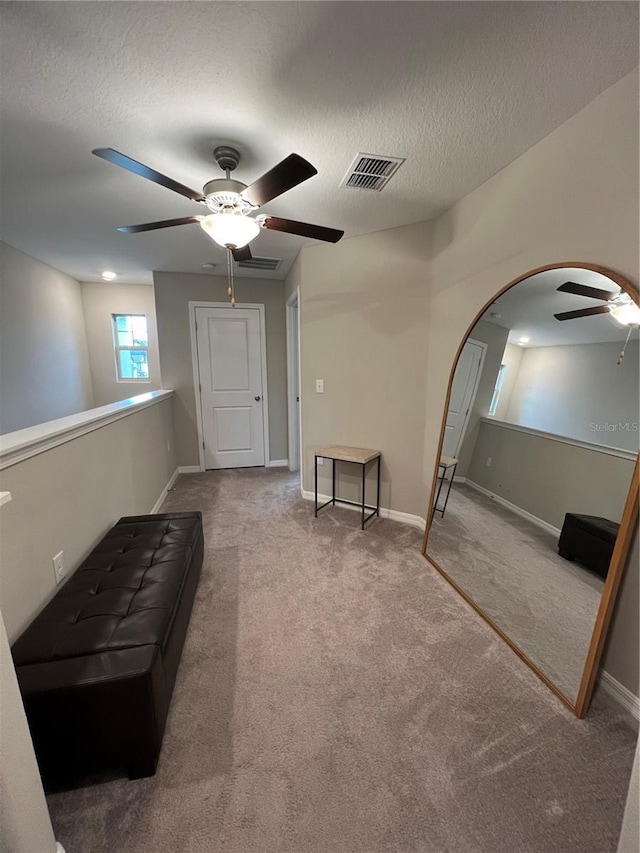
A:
(97, 666)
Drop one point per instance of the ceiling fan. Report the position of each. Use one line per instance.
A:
(619, 305)
(231, 203)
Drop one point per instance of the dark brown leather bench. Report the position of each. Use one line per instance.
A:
(97, 666)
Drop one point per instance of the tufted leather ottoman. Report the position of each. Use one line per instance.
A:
(97, 666)
(590, 539)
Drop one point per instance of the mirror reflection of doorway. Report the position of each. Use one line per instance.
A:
(541, 499)
(463, 394)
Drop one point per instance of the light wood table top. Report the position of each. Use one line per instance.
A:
(448, 461)
(347, 454)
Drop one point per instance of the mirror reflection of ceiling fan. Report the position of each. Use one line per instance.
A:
(619, 305)
(231, 203)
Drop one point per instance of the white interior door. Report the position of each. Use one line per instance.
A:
(463, 392)
(231, 394)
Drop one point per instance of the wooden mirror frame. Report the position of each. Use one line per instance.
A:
(628, 523)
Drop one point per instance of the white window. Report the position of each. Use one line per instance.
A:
(131, 344)
(496, 391)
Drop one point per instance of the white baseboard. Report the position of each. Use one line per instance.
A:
(59, 848)
(391, 514)
(278, 463)
(459, 479)
(189, 469)
(539, 522)
(163, 493)
(619, 693)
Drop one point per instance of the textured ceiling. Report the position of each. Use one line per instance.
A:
(458, 89)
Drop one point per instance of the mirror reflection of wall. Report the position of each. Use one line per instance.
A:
(542, 437)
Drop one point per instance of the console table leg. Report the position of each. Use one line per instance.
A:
(316, 486)
(333, 476)
(364, 469)
(378, 491)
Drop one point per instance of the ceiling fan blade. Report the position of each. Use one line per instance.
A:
(118, 159)
(152, 226)
(290, 172)
(585, 290)
(243, 254)
(583, 312)
(303, 229)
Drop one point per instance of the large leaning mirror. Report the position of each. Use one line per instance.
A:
(535, 500)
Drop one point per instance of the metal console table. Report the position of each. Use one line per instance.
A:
(446, 463)
(359, 456)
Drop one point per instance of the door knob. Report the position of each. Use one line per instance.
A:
(257, 399)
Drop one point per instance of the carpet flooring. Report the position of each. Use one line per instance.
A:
(511, 568)
(337, 696)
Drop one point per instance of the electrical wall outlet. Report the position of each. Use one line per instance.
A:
(488, 462)
(59, 567)
(319, 386)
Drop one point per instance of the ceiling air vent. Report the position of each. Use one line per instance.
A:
(266, 264)
(371, 171)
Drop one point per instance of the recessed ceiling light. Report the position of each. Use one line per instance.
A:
(523, 341)
(208, 266)
(108, 275)
(496, 315)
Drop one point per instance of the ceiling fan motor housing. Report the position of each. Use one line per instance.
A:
(224, 194)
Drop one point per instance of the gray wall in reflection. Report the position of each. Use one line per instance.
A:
(549, 478)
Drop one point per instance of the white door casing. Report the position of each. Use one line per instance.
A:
(293, 379)
(463, 392)
(229, 350)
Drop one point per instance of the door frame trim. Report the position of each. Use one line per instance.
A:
(196, 373)
(294, 424)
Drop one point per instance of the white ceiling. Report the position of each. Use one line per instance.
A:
(459, 89)
(527, 310)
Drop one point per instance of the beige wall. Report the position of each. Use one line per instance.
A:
(549, 478)
(173, 292)
(99, 301)
(44, 363)
(24, 820)
(496, 339)
(620, 657)
(293, 279)
(364, 327)
(66, 499)
(382, 315)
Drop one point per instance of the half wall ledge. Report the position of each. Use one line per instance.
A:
(23, 443)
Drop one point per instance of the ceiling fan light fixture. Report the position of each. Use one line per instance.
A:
(230, 229)
(626, 313)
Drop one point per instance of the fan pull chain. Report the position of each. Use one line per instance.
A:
(231, 288)
(621, 356)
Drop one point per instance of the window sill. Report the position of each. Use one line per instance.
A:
(23, 443)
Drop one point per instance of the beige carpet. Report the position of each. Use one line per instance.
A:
(336, 696)
(511, 568)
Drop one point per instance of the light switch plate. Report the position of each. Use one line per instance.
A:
(59, 567)
(319, 386)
